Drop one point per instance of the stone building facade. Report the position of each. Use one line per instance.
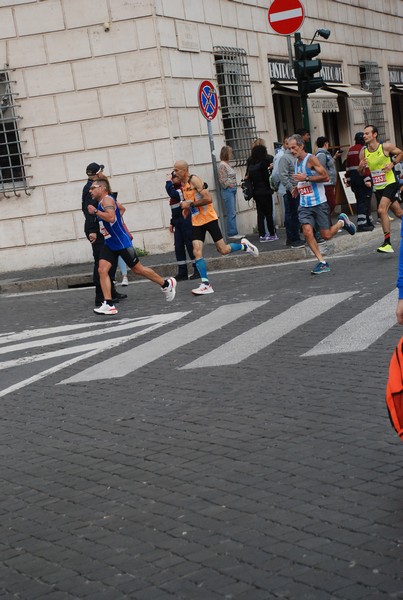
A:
(116, 82)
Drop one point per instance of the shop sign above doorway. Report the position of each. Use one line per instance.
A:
(286, 16)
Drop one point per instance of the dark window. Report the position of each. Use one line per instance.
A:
(236, 102)
(12, 172)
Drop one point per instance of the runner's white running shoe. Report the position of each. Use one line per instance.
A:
(105, 309)
(204, 288)
(170, 291)
(250, 248)
(125, 281)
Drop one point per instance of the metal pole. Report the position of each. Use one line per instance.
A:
(304, 104)
(217, 182)
(290, 57)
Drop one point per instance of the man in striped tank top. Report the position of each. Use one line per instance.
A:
(313, 209)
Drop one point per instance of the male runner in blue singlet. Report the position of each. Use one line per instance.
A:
(118, 243)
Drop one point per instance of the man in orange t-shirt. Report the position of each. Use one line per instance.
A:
(198, 200)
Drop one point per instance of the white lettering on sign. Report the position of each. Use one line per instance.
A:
(395, 75)
(286, 14)
(282, 71)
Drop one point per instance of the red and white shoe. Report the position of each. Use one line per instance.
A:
(105, 309)
(203, 289)
(170, 290)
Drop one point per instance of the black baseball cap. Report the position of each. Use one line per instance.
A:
(359, 138)
(94, 169)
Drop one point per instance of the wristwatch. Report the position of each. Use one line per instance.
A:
(307, 178)
(95, 211)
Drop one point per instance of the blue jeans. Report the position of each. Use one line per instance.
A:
(229, 195)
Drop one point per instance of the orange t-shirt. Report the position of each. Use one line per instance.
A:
(200, 214)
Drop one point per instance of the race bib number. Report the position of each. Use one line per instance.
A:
(104, 231)
(378, 177)
(305, 188)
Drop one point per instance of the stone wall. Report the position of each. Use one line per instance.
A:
(125, 95)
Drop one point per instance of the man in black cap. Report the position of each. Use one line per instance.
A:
(95, 237)
(361, 185)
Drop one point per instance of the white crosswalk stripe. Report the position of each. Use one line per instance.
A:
(63, 346)
(146, 324)
(130, 361)
(264, 334)
(361, 331)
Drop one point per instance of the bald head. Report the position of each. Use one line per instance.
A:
(181, 169)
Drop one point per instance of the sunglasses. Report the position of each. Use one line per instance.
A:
(94, 186)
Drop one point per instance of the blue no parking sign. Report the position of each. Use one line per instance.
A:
(208, 101)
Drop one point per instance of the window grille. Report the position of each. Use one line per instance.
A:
(370, 80)
(12, 171)
(236, 102)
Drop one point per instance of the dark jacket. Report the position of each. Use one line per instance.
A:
(176, 197)
(258, 170)
(91, 224)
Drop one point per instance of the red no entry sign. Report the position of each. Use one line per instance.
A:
(208, 101)
(286, 16)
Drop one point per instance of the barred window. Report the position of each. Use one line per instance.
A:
(236, 101)
(12, 172)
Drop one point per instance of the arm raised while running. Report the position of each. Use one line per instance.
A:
(109, 211)
(197, 184)
(321, 173)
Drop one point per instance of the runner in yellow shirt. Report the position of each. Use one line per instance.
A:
(198, 200)
(378, 158)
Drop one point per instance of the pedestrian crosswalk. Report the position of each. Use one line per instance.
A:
(264, 334)
(47, 351)
(358, 333)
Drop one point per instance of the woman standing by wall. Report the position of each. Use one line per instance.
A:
(259, 167)
(228, 184)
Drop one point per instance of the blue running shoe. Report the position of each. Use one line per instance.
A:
(321, 267)
(347, 224)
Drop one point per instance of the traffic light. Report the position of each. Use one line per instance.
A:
(305, 67)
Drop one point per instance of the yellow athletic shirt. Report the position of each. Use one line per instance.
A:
(376, 162)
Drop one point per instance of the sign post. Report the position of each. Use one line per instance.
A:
(286, 17)
(208, 104)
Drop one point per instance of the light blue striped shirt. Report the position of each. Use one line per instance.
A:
(310, 192)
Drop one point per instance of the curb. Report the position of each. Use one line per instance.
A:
(340, 243)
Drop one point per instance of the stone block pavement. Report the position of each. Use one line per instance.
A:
(280, 479)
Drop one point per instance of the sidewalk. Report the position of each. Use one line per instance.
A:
(80, 275)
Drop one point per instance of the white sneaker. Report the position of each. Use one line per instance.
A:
(105, 309)
(204, 288)
(170, 291)
(250, 248)
(125, 281)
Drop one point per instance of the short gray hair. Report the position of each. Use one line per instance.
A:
(297, 138)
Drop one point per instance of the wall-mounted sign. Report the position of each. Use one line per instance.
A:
(395, 75)
(280, 70)
(188, 36)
